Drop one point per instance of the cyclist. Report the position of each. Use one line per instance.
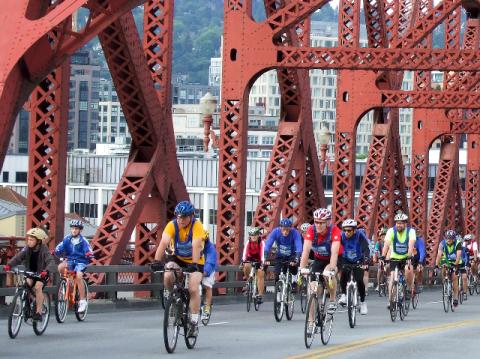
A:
(289, 248)
(78, 255)
(450, 254)
(185, 238)
(471, 247)
(35, 257)
(418, 260)
(211, 266)
(378, 253)
(253, 252)
(324, 239)
(355, 250)
(399, 243)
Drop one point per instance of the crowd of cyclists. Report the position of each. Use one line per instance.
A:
(311, 252)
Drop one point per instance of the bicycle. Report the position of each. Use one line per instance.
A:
(414, 294)
(323, 319)
(304, 293)
(461, 292)
(68, 297)
(447, 289)
(471, 280)
(353, 298)
(398, 295)
(252, 287)
(177, 313)
(382, 283)
(23, 305)
(284, 297)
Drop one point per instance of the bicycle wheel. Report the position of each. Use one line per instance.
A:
(326, 320)
(311, 321)
(190, 341)
(81, 315)
(278, 306)
(450, 296)
(40, 327)
(164, 297)
(304, 296)
(171, 323)
(61, 303)
(477, 284)
(414, 297)
(405, 300)
(290, 303)
(249, 294)
(471, 283)
(393, 302)
(15, 314)
(460, 288)
(352, 310)
(446, 297)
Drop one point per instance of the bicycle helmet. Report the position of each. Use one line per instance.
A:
(286, 223)
(304, 227)
(38, 233)
(401, 217)
(450, 234)
(76, 223)
(349, 223)
(322, 214)
(184, 209)
(254, 231)
(468, 237)
(459, 238)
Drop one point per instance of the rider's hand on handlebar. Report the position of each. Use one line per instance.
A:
(7, 268)
(44, 274)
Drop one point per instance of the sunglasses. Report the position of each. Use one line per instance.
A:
(348, 230)
(319, 222)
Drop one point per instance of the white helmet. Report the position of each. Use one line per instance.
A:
(323, 214)
(349, 223)
(304, 227)
(400, 217)
(468, 237)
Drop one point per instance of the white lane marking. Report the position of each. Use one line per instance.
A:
(219, 323)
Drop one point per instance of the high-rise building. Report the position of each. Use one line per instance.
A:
(84, 99)
(112, 126)
(19, 139)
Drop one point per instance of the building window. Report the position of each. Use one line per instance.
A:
(267, 140)
(253, 140)
(5, 176)
(21, 177)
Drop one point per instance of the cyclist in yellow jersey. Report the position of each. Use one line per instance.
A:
(184, 237)
(399, 244)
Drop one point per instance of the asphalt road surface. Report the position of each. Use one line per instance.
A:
(427, 332)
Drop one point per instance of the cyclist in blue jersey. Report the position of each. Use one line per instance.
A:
(209, 269)
(355, 250)
(78, 255)
(418, 260)
(289, 247)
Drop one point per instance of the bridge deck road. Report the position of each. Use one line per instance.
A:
(427, 332)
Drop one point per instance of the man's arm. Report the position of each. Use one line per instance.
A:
(307, 246)
(18, 258)
(412, 237)
(439, 254)
(298, 244)
(196, 249)
(164, 242)
(269, 242)
(334, 256)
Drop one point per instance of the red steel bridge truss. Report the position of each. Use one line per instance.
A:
(38, 39)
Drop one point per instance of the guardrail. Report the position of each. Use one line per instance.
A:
(112, 285)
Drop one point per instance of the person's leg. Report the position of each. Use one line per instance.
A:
(359, 275)
(38, 288)
(193, 288)
(261, 281)
(169, 276)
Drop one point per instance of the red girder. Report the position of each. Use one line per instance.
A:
(152, 156)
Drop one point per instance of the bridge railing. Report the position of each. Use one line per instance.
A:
(115, 280)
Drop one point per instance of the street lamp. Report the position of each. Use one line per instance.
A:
(208, 104)
(324, 139)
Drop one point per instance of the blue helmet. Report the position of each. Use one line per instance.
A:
(184, 208)
(286, 223)
(76, 223)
